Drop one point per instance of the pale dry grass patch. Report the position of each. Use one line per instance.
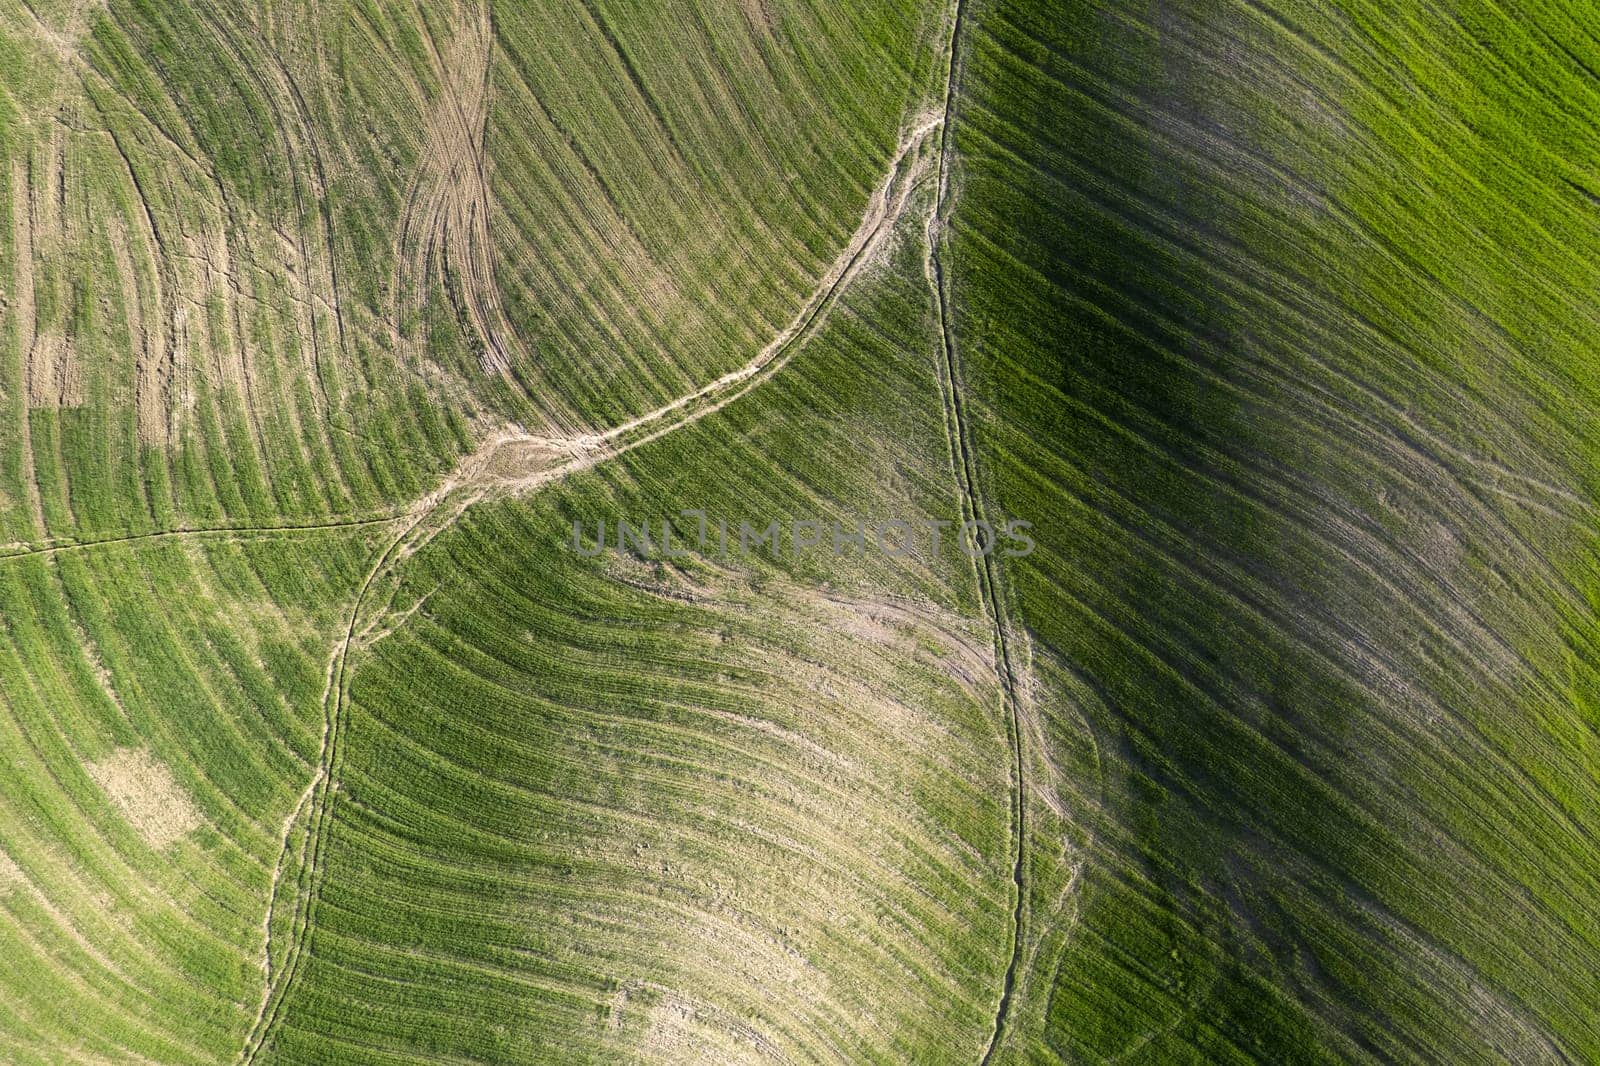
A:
(144, 792)
(10, 873)
(680, 1028)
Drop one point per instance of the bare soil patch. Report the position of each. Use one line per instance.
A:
(10, 873)
(143, 790)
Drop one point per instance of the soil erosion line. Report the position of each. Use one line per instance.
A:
(960, 425)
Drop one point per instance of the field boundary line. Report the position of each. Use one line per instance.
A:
(991, 590)
(37, 550)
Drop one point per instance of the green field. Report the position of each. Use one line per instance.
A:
(324, 322)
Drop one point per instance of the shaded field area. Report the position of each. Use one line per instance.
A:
(1275, 323)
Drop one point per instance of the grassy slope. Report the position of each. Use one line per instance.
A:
(721, 817)
(204, 202)
(1275, 320)
(116, 946)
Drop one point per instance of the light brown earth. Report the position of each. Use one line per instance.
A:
(144, 792)
(444, 227)
(10, 873)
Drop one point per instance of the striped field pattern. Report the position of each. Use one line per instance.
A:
(322, 322)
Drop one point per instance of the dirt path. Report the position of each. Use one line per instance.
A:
(22, 297)
(29, 551)
(964, 454)
(444, 225)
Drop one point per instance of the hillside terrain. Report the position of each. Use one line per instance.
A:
(334, 334)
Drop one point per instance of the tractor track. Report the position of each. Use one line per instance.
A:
(34, 551)
(964, 456)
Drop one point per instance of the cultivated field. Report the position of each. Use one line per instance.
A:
(322, 322)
